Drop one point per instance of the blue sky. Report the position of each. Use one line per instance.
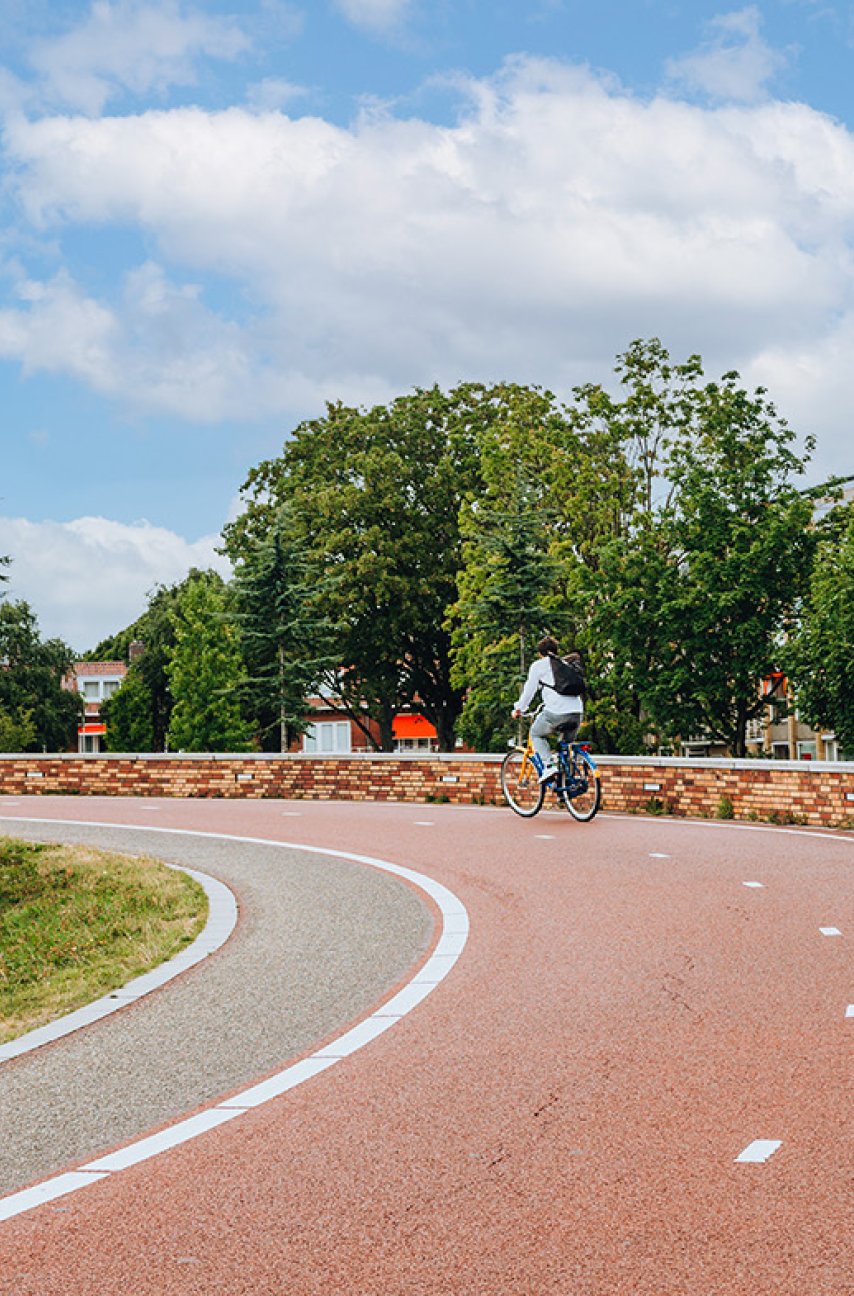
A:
(217, 216)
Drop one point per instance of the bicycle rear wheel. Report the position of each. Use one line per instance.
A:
(522, 789)
(583, 793)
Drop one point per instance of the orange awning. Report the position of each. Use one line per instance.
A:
(91, 729)
(412, 726)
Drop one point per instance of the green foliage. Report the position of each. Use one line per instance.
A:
(694, 595)
(36, 712)
(279, 637)
(820, 655)
(502, 609)
(373, 500)
(205, 674)
(76, 922)
(19, 734)
(414, 553)
(138, 715)
(129, 714)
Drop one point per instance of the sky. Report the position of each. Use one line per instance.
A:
(215, 217)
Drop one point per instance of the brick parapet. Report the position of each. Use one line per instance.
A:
(813, 793)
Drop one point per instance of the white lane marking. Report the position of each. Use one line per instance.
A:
(849, 1011)
(222, 918)
(291, 814)
(545, 836)
(423, 823)
(657, 855)
(50, 1190)
(455, 928)
(830, 931)
(758, 1151)
(145, 1148)
(758, 885)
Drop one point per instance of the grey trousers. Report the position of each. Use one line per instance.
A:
(546, 723)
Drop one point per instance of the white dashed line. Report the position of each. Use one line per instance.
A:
(455, 927)
(657, 855)
(291, 814)
(545, 836)
(830, 931)
(758, 885)
(758, 1151)
(849, 1011)
(423, 823)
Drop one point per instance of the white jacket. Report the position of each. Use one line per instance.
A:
(541, 676)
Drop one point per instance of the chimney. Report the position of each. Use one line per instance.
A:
(135, 650)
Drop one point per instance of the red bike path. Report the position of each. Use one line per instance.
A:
(564, 1114)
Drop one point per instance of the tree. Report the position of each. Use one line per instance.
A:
(502, 609)
(373, 499)
(738, 550)
(36, 710)
(551, 486)
(279, 637)
(138, 715)
(697, 587)
(206, 674)
(820, 654)
(129, 715)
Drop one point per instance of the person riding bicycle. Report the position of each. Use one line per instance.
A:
(559, 711)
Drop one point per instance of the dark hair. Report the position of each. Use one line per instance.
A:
(547, 645)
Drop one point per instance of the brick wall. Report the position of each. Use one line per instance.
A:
(815, 793)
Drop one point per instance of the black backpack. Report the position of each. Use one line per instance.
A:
(568, 676)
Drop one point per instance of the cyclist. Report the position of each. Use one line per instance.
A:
(559, 711)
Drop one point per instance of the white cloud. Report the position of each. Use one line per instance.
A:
(559, 218)
(88, 578)
(273, 94)
(735, 63)
(812, 382)
(374, 15)
(131, 45)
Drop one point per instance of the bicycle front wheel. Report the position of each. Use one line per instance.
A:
(583, 793)
(522, 789)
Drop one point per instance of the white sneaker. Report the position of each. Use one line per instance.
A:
(549, 771)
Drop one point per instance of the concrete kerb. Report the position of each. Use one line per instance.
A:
(222, 919)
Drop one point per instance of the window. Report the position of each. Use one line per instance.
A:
(807, 750)
(414, 744)
(110, 687)
(92, 690)
(327, 737)
(780, 750)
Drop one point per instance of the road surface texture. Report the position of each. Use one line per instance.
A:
(636, 1081)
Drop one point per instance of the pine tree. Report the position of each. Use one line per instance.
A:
(280, 637)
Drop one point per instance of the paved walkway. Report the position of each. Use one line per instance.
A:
(635, 1082)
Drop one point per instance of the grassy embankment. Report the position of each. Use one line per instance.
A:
(76, 923)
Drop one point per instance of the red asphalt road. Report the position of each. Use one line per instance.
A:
(561, 1116)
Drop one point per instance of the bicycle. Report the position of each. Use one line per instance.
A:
(576, 783)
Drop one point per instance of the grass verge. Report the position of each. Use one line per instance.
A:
(76, 923)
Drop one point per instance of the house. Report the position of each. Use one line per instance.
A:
(332, 732)
(781, 734)
(95, 682)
